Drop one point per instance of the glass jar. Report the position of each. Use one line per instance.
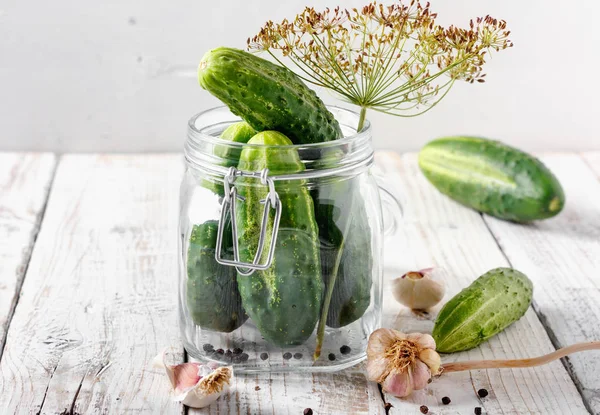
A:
(277, 260)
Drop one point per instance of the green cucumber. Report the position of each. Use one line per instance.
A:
(284, 300)
(340, 212)
(267, 96)
(228, 156)
(486, 307)
(212, 294)
(492, 177)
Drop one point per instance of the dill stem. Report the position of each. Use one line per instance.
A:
(520, 363)
(361, 119)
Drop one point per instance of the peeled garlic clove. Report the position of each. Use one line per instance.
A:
(195, 384)
(420, 290)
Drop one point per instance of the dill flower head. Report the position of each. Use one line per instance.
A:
(395, 59)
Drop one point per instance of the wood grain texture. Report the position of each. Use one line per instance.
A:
(99, 297)
(345, 392)
(437, 231)
(562, 257)
(24, 184)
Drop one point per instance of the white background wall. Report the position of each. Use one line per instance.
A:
(119, 75)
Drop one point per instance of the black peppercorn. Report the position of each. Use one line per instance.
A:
(298, 356)
(237, 350)
(308, 411)
(331, 357)
(345, 349)
(446, 400)
(220, 351)
(244, 357)
(208, 348)
(482, 393)
(424, 409)
(264, 356)
(287, 356)
(478, 411)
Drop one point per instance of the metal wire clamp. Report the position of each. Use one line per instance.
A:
(229, 207)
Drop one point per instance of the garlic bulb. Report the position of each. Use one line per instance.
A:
(420, 290)
(401, 362)
(196, 385)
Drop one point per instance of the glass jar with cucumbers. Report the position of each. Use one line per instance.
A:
(280, 225)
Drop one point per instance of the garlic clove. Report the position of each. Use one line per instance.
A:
(381, 339)
(195, 384)
(398, 383)
(377, 368)
(432, 359)
(420, 375)
(420, 290)
(424, 341)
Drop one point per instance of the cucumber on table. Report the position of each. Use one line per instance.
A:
(213, 298)
(284, 300)
(492, 177)
(267, 96)
(486, 307)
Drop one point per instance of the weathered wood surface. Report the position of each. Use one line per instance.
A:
(24, 184)
(562, 257)
(437, 231)
(98, 300)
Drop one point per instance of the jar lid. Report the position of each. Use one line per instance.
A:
(352, 151)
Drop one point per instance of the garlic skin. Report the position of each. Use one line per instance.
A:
(401, 363)
(420, 290)
(195, 384)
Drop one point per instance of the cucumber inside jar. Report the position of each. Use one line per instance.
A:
(283, 301)
(213, 299)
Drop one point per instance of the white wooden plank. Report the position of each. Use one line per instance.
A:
(438, 231)
(99, 297)
(562, 257)
(592, 159)
(345, 392)
(24, 183)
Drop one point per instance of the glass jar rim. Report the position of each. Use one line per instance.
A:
(198, 134)
(355, 147)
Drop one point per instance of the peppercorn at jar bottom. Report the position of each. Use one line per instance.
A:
(313, 307)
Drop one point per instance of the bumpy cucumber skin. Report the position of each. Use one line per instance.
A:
(486, 307)
(493, 178)
(267, 96)
(213, 298)
(239, 132)
(284, 300)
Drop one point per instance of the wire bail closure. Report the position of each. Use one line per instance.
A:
(229, 207)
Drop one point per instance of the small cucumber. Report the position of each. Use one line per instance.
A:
(486, 307)
(239, 132)
(213, 298)
(284, 300)
(492, 177)
(267, 96)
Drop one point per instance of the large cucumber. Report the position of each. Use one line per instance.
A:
(492, 177)
(486, 307)
(267, 96)
(213, 298)
(228, 156)
(284, 300)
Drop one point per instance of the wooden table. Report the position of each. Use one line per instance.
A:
(88, 293)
